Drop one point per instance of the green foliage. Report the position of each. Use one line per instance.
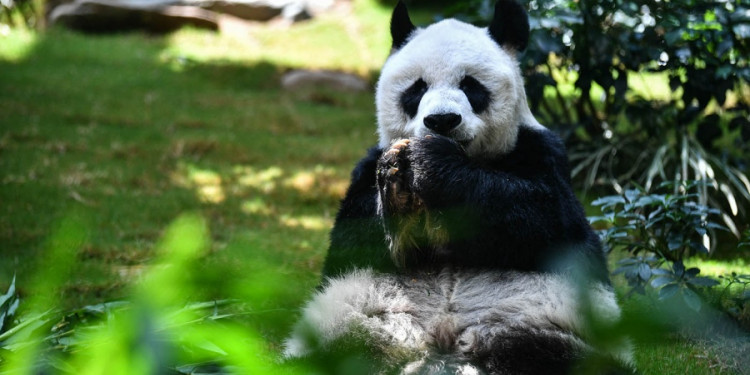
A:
(645, 91)
(24, 13)
(745, 242)
(158, 329)
(8, 306)
(673, 226)
(737, 289)
(659, 232)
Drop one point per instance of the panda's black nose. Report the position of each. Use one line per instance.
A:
(442, 123)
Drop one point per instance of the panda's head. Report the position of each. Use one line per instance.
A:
(456, 80)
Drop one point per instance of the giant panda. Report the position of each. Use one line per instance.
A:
(460, 246)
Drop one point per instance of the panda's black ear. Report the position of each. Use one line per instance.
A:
(401, 26)
(510, 25)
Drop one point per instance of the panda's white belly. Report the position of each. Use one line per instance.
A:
(459, 313)
(454, 311)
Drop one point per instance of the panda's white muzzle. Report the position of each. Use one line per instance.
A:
(445, 111)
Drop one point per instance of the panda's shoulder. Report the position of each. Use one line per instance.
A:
(364, 168)
(538, 143)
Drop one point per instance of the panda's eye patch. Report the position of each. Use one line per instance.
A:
(478, 95)
(412, 96)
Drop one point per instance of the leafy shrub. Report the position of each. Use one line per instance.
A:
(659, 231)
(738, 299)
(582, 64)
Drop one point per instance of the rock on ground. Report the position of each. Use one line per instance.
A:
(168, 15)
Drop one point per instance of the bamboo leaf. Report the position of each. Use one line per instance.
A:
(583, 164)
(656, 167)
(730, 224)
(736, 178)
(33, 322)
(730, 198)
(591, 178)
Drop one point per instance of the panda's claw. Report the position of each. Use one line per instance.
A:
(401, 143)
(391, 156)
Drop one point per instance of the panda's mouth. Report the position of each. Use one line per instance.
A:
(464, 143)
(460, 137)
(456, 136)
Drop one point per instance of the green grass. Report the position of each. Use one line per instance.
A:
(128, 132)
(131, 131)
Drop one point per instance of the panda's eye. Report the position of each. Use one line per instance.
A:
(412, 96)
(478, 95)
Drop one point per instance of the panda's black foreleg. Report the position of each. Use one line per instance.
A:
(357, 239)
(517, 211)
(394, 181)
(409, 228)
(495, 213)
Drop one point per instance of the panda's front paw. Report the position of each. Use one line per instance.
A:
(435, 150)
(394, 178)
(434, 162)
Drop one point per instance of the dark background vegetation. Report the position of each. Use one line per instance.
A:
(107, 139)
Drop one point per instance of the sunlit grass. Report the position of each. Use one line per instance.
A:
(16, 44)
(106, 124)
(651, 86)
(717, 268)
(356, 43)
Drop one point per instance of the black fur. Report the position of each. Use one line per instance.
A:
(510, 25)
(357, 238)
(401, 26)
(412, 96)
(516, 211)
(531, 352)
(527, 351)
(478, 95)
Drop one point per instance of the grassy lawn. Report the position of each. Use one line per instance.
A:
(128, 132)
(132, 130)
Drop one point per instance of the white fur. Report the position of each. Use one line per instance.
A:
(442, 55)
(356, 300)
(463, 309)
